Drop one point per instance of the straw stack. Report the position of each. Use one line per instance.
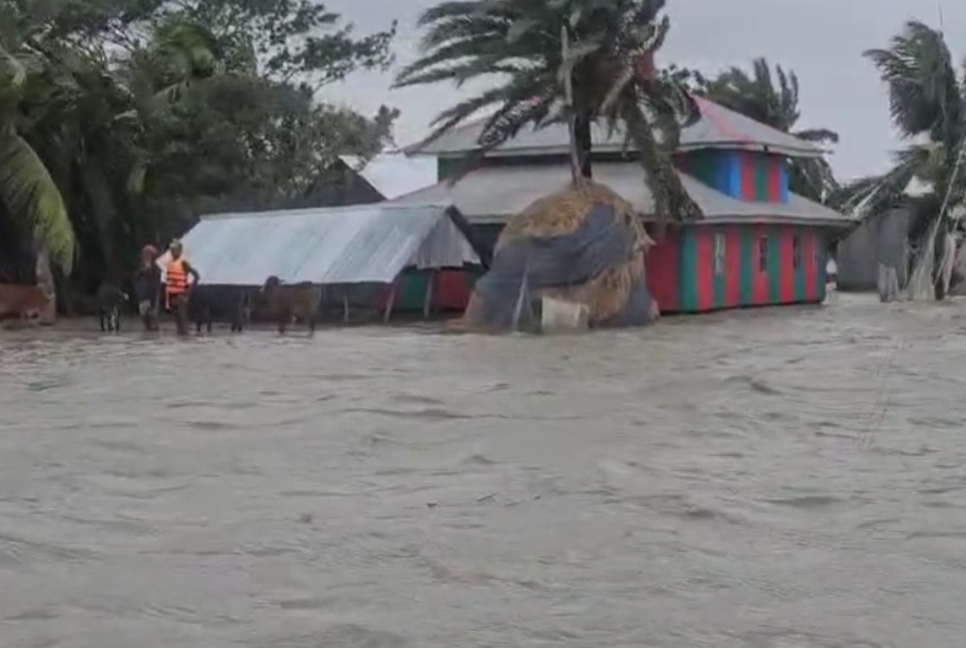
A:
(563, 212)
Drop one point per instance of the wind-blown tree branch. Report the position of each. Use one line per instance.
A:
(603, 48)
(282, 40)
(758, 96)
(927, 99)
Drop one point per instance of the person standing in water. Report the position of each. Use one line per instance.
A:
(177, 286)
(147, 287)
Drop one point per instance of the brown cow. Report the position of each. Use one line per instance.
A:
(288, 303)
(25, 303)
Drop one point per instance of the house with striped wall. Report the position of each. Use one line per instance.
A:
(758, 243)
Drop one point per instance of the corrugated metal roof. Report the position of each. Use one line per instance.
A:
(495, 194)
(718, 127)
(394, 174)
(360, 244)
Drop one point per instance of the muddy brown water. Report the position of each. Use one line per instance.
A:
(781, 478)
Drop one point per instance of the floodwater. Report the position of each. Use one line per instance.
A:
(773, 479)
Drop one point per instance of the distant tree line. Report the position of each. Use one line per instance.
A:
(122, 120)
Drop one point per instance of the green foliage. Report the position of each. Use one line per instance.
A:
(26, 187)
(562, 60)
(123, 119)
(927, 99)
(28, 190)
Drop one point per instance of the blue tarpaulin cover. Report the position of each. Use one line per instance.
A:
(507, 297)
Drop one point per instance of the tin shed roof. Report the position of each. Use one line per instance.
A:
(359, 244)
(495, 194)
(393, 174)
(718, 127)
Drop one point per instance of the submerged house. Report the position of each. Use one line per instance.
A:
(377, 257)
(757, 244)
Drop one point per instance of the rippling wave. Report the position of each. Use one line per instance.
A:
(773, 479)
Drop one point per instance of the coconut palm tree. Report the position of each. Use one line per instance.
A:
(927, 101)
(562, 60)
(29, 195)
(758, 96)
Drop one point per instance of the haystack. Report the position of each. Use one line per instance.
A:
(584, 244)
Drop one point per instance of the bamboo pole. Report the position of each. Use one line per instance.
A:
(428, 299)
(391, 301)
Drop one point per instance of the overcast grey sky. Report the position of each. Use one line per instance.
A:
(821, 40)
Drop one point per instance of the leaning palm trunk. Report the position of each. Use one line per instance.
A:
(922, 285)
(45, 280)
(671, 200)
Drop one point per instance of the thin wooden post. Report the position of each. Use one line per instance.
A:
(345, 305)
(428, 300)
(391, 302)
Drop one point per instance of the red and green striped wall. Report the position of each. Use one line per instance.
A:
(451, 290)
(745, 175)
(712, 267)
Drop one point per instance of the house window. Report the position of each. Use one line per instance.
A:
(719, 253)
(763, 254)
(796, 252)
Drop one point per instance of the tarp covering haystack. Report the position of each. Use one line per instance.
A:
(584, 245)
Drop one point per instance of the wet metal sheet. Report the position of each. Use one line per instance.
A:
(359, 244)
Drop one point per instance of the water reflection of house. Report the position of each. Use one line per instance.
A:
(758, 243)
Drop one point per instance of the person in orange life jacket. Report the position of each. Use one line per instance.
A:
(177, 286)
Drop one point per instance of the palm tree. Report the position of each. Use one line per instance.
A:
(86, 133)
(557, 60)
(927, 100)
(29, 195)
(756, 95)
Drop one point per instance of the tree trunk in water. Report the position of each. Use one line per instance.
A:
(45, 280)
(568, 83)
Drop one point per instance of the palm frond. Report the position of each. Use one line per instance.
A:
(618, 87)
(875, 194)
(818, 135)
(455, 115)
(671, 199)
(813, 178)
(465, 27)
(33, 200)
(13, 68)
(923, 86)
(457, 73)
(453, 9)
(652, 36)
(576, 53)
(527, 104)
